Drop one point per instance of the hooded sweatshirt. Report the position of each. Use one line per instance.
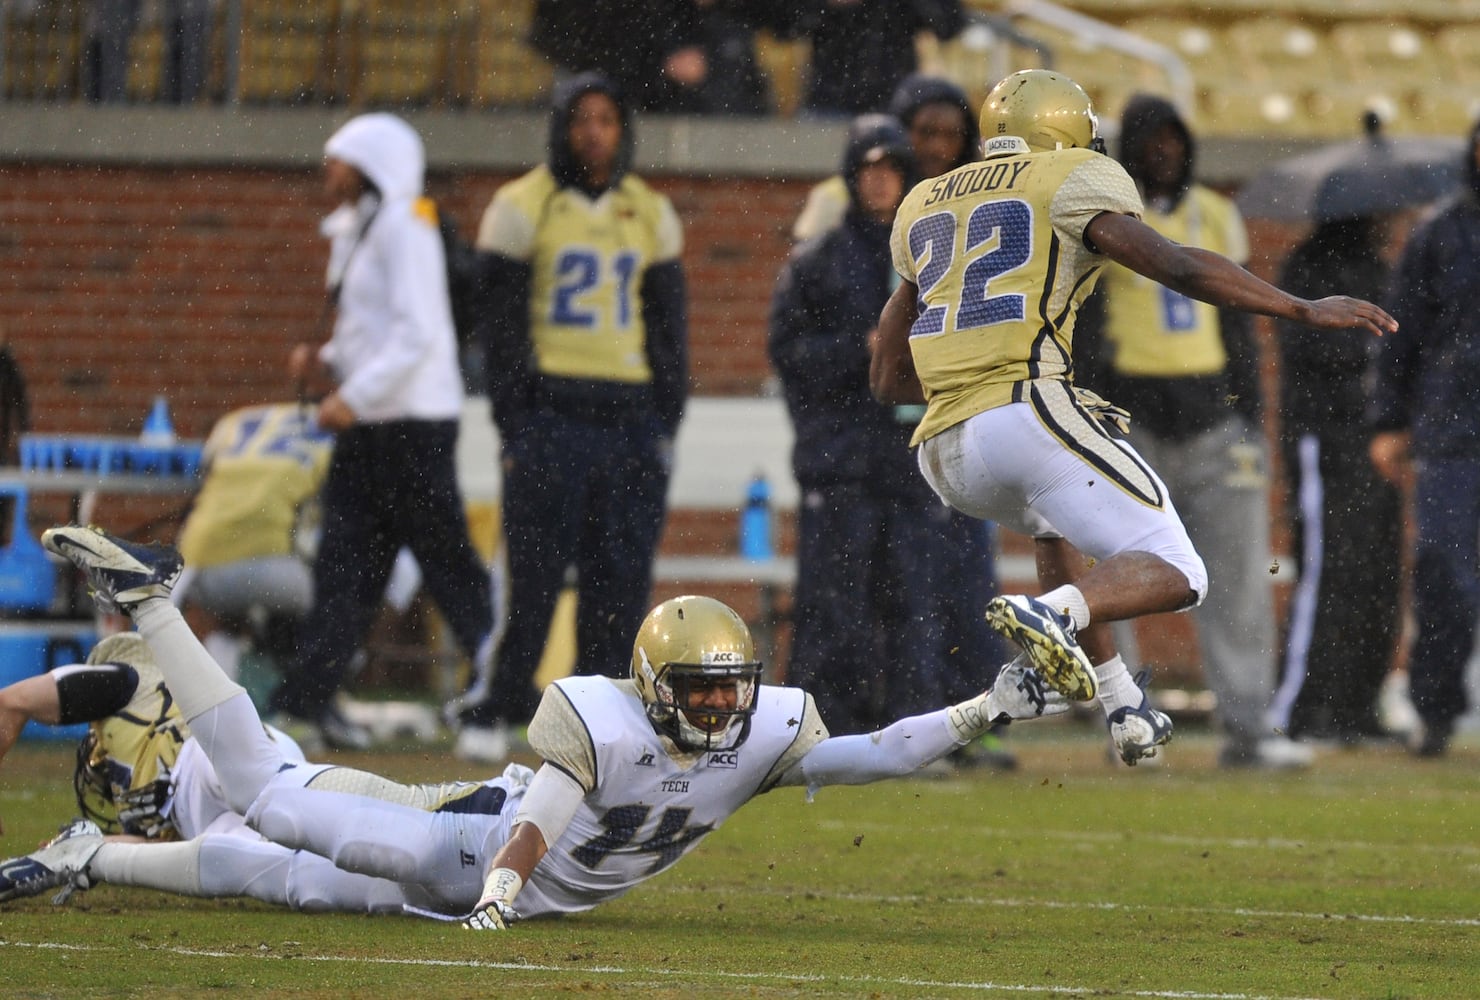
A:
(919, 89)
(587, 309)
(827, 201)
(1179, 365)
(393, 350)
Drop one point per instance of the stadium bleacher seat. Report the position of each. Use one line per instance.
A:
(286, 52)
(146, 62)
(1197, 43)
(1107, 74)
(43, 49)
(1282, 51)
(1233, 108)
(1390, 56)
(1452, 106)
(506, 71)
(784, 61)
(398, 51)
(1458, 49)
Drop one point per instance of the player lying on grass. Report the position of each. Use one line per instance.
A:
(142, 779)
(635, 772)
(137, 750)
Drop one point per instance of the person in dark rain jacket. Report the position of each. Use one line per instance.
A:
(862, 49)
(1344, 611)
(869, 535)
(1426, 411)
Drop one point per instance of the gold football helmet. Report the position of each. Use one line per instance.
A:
(1047, 110)
(695, 669)
(126, 758)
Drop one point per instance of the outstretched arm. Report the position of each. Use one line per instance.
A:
(32, 698)
(545, 812)
(1213, 278)
(909, 744)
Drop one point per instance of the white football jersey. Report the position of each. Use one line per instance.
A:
(644, 807)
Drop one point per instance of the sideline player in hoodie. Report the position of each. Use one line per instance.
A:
(587, 339)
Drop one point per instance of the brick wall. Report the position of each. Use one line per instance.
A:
(117, 283)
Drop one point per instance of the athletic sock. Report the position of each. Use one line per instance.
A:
(170, 867)
(195, 680)
(1117, 688)
(1068, 600)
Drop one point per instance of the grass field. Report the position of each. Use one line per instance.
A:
(1068, 877)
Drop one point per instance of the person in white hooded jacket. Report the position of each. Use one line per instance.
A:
(393, 397)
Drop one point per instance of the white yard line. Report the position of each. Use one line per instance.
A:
(1108, 907)
(660, 974)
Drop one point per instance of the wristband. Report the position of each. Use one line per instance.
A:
(971, 718)
(502, 885)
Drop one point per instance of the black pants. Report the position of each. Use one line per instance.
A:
(1343, 619)
(389, 485)
(869, 639)
(580, 494)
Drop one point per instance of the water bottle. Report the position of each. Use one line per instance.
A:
(159, 431)
(152, 454)
(755, 520)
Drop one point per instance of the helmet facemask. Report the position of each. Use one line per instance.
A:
(93, 784)
(683, 693)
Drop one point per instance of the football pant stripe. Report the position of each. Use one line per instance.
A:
(1061, 415)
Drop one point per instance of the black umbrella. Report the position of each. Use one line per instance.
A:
(1373, 175)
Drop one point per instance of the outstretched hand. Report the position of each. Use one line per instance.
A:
(1342, 312)
(490, 915)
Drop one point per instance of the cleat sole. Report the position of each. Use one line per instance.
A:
(1066, 673)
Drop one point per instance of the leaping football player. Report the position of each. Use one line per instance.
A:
(996, 257)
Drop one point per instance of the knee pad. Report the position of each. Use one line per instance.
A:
(316, 886)
(368, 857)
(274, 818)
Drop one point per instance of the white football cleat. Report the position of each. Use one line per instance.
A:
(485, 744)
(1138, 731)
(1020, 692)
(61, 863)
(122, 574)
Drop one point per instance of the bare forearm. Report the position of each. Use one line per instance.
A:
(1215, 279)
(12, 721)
(891, 376)
(1212, 278)
(523, 851)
